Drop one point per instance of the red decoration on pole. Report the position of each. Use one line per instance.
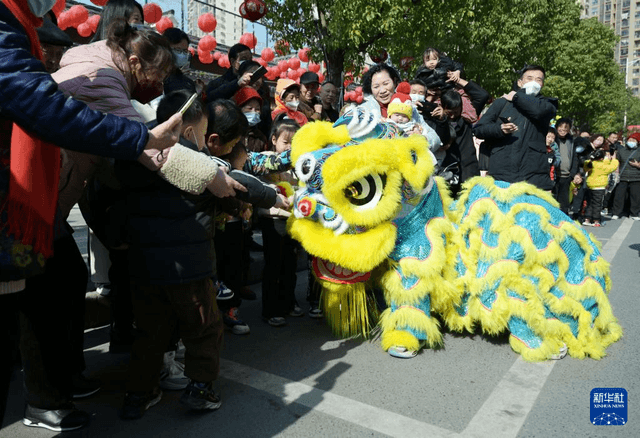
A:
(163, 24)
(281, 47)
(252, 10)
(207, 22)
(152, 13)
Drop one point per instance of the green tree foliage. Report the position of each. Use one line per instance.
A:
(492, 38)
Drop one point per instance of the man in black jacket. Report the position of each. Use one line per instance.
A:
(515, 127)
(226, 85)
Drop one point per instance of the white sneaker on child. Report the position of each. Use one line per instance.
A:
(224, 293)
(172, 377)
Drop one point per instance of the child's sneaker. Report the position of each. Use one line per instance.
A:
(315, 311)
(635, 218)
(224, 293)
(597, 224)
(136, 403)
(296, 311)
(200, 397)
(172, 377)
(277, 321)
(615, 217)
(231, 320)
(587, 223)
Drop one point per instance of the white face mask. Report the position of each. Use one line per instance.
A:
(252, 118)
(632, 144)
(417, 97)
(406, 126)
(293, 105)
(532, 88)
(40, 7)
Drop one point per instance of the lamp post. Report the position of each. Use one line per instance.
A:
(626, 84)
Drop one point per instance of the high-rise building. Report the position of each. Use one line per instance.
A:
(230, 27)
(624, 17)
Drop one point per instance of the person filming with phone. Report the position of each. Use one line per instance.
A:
(514, 129)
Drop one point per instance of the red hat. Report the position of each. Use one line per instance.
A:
(401, 101)
(245, 94)
(635, 136)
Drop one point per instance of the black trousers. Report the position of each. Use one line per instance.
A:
(624, 188)
(51, 324)
(594, 204)
(562, 193)
(230, 264)
(279, 275)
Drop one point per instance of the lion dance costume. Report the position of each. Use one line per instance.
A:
(502, 256)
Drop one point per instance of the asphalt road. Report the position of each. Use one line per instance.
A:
(300, 381)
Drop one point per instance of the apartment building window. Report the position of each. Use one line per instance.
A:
(624, 32)
(623, 51)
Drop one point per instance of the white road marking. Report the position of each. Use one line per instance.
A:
(361, 414)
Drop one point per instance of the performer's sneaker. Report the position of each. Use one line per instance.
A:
(401, 352)
(561, 353)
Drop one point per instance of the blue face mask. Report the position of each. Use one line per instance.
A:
(252, 118)
(632, 144)
(181, 59)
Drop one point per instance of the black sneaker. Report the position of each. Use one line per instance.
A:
(136, 403)
(58, 420)
(200, 396)
(82, 387)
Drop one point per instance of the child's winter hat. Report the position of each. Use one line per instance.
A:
(245, 94)
(401, 101)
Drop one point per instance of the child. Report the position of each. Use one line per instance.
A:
(287, 101)
(280, 251)
(400, 110)
(599, 165)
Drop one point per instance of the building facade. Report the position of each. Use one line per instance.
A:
(230, 27)
(624, 17)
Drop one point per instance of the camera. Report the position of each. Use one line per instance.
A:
(598, 154)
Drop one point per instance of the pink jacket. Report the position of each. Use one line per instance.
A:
(90, 74)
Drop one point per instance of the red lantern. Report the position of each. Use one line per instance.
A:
(281, 47)
(207, 43)
(301, 71)
(217, 55)
(320, 77)
(78, 14)
(303, 54)
(405, 62)
(64, 20)
(99, 2)
(272, 73)
(192, 51)
(249, 40)
(252, 10)
(223, 61)
(283, 65)
(267, 54)
(58, 8)
(152, 13)
(93, 21)
(314, 67)
(283, 75)
(379, 57)
(293, 74)
(294, 63)
(263, 63)
(163, 24)
(84, 29)
(207, 22)
(205, 57)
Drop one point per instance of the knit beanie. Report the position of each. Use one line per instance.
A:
(245, 94)
(635, 136)
(401, 101)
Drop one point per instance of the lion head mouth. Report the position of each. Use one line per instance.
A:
(326, 270)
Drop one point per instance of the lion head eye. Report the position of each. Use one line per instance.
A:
(366, 192)
(306, 167)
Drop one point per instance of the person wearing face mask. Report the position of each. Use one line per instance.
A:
(250, 103)
(177, 80)
(514, 129)
(265, 111)
(287, 101)
(629, 185)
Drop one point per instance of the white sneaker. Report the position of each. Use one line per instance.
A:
(561, 353)
(615, 217)
(277, 321)
(172, 377)
(635, 218)
(181, 350)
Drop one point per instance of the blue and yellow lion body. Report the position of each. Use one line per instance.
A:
(502, 256)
